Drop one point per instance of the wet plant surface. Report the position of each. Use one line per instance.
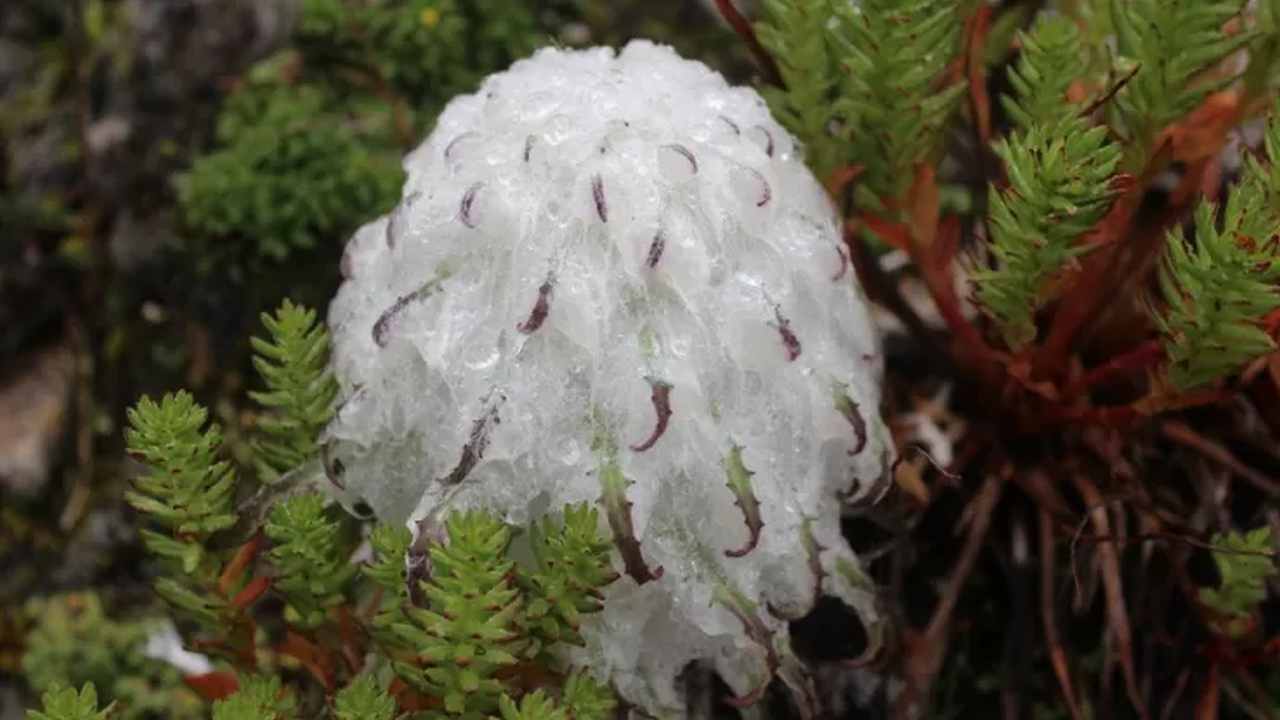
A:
(1086, 447)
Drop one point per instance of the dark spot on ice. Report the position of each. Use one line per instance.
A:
(468, 202)
(597, 194)
(541, 307)
(655, 250)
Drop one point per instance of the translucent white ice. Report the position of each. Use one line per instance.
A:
(590, 231)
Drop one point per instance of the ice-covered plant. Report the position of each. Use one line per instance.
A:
(611, 280)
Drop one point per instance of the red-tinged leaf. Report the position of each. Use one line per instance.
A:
(892, 233)
(978, 25)
(1272, 323)
(660, 396)
(251, 592)
(314, 658)
(618, 512)
(410, 700)
(213, 685)
(1122, 183)
(1203, 133)
(353, 639)
(751, 698)
(925, 206)
(233, 574)
(948, 241)
(841, 177)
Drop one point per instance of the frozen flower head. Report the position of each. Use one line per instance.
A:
(612, 279)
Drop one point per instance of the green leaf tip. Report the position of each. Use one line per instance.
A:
(259, 698)
(188, 491)
(572, 568)
(363, 699)
(300, 390)
(68, 704)
(1218, 290)
(313, 567)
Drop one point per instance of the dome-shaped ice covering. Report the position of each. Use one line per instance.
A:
(612, 279)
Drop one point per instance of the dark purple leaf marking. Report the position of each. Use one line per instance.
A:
(768, 139)
(655, 250)
(684, 151)
(541, 307)
(844, 264)
(468, 202)
(849, 409)
(382, 327)
(732, 125)
(597, 194)
(473, 449)
(333, 467)
(453, 144)
(397, 217)
(661, 398)
(624, 538)
(789, 340)
(766, 192)
(429, 531)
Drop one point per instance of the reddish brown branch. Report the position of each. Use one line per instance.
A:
(924, 651)
(1057, 655)
(743, 27)
(1182, 434)
(1112, 585)
(234, 571)
(1145, 356)
(978, 26)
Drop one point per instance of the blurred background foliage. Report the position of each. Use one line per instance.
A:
(168, 171)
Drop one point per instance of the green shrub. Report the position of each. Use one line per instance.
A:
(75, 643)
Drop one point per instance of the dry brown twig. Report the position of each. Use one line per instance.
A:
(1117, 614)
(1057, 656)
(924, 651)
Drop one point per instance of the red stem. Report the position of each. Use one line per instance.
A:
(1146, 355)
(743, 27)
